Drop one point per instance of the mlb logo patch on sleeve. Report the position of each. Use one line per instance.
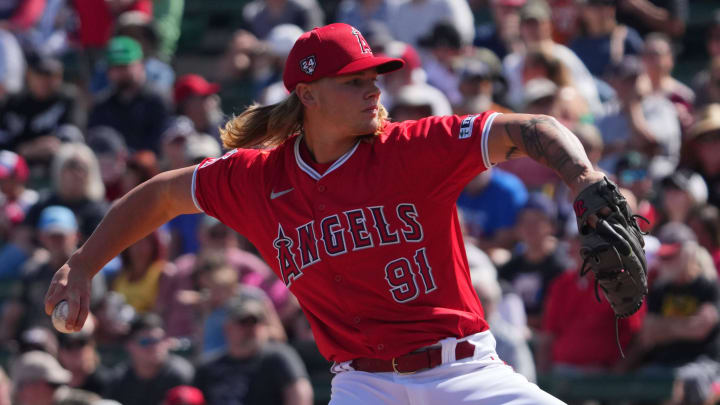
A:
(466, 127)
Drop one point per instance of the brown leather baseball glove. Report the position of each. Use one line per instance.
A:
(613, 248)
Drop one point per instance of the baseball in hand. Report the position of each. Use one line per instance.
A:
(59, 316)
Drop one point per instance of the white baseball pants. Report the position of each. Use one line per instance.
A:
(479, 380)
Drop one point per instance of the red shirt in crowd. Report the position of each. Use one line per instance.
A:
(583, 328)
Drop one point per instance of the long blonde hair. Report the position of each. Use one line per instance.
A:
(267, 126)
(95, 189)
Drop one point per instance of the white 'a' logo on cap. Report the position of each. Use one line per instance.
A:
(308, 64)
(364, 46)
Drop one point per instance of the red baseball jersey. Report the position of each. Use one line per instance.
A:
(371, 247)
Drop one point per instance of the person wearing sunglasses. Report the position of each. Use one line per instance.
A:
(253, 370)
(151, 370)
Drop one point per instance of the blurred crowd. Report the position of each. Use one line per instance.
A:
(97, 96)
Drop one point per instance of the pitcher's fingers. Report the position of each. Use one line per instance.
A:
(83, 314)
(52, 297)
(73, 311)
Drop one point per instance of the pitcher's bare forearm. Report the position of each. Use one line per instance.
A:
(134, 216)
(545, 140)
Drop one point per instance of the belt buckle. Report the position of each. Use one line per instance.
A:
(394, 366)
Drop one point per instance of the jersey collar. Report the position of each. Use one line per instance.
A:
(312, 172)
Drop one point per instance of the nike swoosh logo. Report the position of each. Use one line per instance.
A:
(274, 195)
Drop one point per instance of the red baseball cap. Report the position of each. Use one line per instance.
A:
(332, 50)
(13, 165)
(184, 395)
(193, 85)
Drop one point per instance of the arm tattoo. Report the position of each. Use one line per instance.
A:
(511, 153)
(550, 143)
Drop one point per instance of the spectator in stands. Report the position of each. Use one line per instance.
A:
(502, 35)
(279, 42)
(681, 330)
(237, 69)
(80, 397)
(536, 34)
(130, 106)
(16, 199)
(479, 75)
(411, 73)
(76, 184)
(197, 99)
(38, 338)
(666, 16)
(415, 19)
(706, 83)
(565, 20)
(262, 15)
(631, 172)
(151, 370)
(659, 62)
(705, 222)
(419, 100)
(603, 41)
(540, 97)
(639, 120)
(541, 63)
(538, 259)
(359, 13)
(20, 15)
(95, 24)
(145, 269)
(12, 65)
(574, 320)
(140, 167)
(490, 205)
(569, 106)
(184, 395)
(48, 34)
(112, 154)
(701, 149)
(442, 49)
(216, 239)
(202, 146)
(511, 344)
(680, 193)
(183, 228)
(174, 141)
(218, 285)
(78, 354)
(30, 120)
(38, 379)
(253, 370)
(139, 26)
(58, 235)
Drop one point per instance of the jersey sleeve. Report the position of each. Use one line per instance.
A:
(444, 151)
(224, 187)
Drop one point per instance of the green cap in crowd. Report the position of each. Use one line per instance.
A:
(122, 50)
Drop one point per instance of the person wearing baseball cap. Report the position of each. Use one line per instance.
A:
(37, 377)
(14, 173)
(132, 106)
(356, 214)
(184, 395)
(197, 99)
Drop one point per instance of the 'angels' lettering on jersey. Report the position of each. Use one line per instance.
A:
(352, 230)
